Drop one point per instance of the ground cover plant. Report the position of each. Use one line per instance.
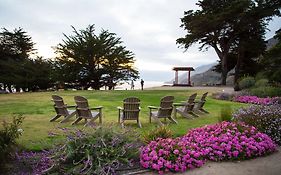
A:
(222, 141)
(256, 100)
(266, 119)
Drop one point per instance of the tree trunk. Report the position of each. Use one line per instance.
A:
(224, 69)
(10, 88)
(223, 57)
(237, 67)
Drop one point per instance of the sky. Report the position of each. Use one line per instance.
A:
(149, 28)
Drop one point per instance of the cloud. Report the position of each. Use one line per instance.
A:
(149, 28)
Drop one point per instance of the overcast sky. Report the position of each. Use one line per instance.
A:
(149, 28)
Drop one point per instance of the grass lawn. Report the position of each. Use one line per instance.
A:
(38, 109)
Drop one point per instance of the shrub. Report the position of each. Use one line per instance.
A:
(246, 82)
(159, 132)
(222, 141)
(268, 91)
(266, 119)
(100, 152)
(8, 135)
(261, 82)
(226, 114)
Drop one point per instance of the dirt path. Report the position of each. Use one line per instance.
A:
(208, 88)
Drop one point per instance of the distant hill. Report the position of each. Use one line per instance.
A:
(204, 75)
(271, 42)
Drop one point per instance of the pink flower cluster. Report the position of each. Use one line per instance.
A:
(255, 100)
(230, 141)
(222, 141)
(171, 155)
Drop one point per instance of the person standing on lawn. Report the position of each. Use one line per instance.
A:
(142, 83)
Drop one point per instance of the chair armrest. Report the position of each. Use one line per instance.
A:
(120, 108)
(178, 104)
(73, 106)
(153, 107)
(98, 107)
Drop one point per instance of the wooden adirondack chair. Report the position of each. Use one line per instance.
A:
(201, 103)
(130, 110)
(164, 111)
(186, 108)
(84, 111)
(61, 109)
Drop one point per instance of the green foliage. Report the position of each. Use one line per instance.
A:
(272, 59)
(8, 135)
(96, 60)
(261, 82)
(101, 151)
(246, 82)
(226, 114)
(267, 91)
(159, 132)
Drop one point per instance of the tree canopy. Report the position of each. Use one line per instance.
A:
(17, 69)
(271, 60)
(96, 60)
(228, 26)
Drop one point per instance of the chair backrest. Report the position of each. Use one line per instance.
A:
(166, 106)
(59, 105)
(203, 98)
(189, 105)
(82, 107)
(131, 108)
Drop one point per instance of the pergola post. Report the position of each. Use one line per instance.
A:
(176, 77)
(177, 69)
(189, 82)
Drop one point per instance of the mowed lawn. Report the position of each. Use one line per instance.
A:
(37, 108)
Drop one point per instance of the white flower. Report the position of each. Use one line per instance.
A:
(20, 130)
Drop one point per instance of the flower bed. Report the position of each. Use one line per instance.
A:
(222, 141)
(256, 100)
(266, 119)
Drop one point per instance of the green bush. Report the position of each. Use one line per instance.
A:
(226, 114)
(261, 82)
(246, 82)
(102, 151)
(8, 135)
(159, 132)
(268, 91)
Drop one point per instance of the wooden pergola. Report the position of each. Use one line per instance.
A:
(177, 69)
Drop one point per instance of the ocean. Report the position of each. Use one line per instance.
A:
(137, 85)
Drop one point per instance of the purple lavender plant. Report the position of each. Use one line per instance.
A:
(266, 119)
